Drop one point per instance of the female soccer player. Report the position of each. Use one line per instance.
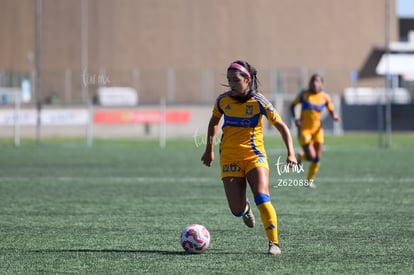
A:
(242, 154)
(313, 101)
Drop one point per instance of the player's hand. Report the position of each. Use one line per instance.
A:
(291, 160)
(207, 158)
(337, 118)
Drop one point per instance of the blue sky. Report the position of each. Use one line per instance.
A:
(405, 8)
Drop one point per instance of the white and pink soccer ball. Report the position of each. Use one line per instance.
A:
(195, 238)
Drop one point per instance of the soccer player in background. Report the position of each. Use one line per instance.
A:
(242, 154)
(312, 100)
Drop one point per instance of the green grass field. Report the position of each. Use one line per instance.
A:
(120, 206)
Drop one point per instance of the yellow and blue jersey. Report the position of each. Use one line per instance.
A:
(242, 128)
(312, 106)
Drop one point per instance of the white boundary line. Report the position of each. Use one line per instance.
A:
(195, 179)
(110, 179)
(364, 180)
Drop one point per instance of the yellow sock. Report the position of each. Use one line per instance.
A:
(268, 215)
(313, 169)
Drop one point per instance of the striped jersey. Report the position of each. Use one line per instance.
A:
(312, 106)
(242, 128)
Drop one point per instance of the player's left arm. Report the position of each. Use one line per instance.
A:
(274, 118)
(287, 139)
(331, 108)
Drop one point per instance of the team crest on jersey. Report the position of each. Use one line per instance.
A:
(249, 109)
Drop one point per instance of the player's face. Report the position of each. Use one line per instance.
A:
(317, 84)
(238, 83)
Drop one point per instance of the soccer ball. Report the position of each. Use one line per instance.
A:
(195, 238)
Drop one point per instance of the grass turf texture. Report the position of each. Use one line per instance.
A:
(120, 206)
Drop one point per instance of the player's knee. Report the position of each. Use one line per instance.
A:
(238, 212)
(309, 156)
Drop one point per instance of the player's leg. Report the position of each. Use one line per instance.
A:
(315, 164)
(234, 182)
(317, 146)
(258, 179)
(305, 140)
(309, 151)
(235, 189)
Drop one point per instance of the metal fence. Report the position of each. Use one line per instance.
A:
(69, 87)
(176, 86)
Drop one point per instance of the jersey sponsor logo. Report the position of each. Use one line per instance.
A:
(246, 123)
(241, 122)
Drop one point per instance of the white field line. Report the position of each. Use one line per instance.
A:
(109, 179)
(364, 179)
(351, 179)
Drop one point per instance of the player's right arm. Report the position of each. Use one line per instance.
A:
(297, 121)
(213, 127)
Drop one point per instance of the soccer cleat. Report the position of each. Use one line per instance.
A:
(310, 184)
(274, 249)
(248, 218)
